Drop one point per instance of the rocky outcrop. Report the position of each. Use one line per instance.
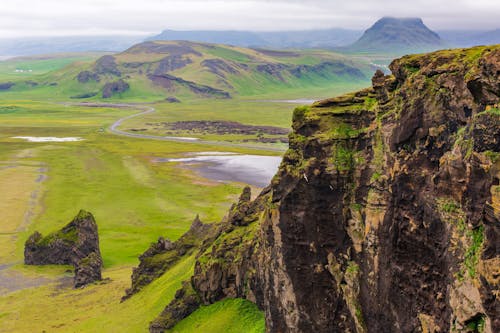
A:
(87, 76)
(384, 215)
(6, 85)
(170, 83)
(171, 63)
(163, 254)
(76, 244)
(106, 65)
(116, 87)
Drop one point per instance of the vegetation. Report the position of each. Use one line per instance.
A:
(219, 317)
(133, 198)
(152, 71)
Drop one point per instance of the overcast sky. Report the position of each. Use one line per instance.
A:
(23, 18)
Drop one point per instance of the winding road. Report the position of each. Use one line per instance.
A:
(147, 110)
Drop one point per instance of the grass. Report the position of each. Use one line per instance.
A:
(96, 308)
(230, 316)
(133, 199)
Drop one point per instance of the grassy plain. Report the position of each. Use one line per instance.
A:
(134, 199)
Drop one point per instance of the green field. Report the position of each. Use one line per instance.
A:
(133, 198)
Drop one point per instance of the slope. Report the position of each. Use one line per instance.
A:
(186, 70)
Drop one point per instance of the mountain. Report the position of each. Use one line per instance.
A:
(326, 38)
(50, 45)
(467, 38)
(398, 35)
(389, 193)
(161, 69)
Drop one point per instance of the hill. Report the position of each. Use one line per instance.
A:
(162, 69)
(324, 38)
(44, 45)
(467, 38)
(398, 35)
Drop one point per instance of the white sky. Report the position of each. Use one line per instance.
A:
(124, 17)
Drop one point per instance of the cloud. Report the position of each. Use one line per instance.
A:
(92, 17)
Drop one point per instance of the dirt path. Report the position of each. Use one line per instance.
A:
(147, 110)
(11, 279)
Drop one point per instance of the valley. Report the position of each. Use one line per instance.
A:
(188, 186)
(113, 168)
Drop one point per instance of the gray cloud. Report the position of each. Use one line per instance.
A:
(92, 17)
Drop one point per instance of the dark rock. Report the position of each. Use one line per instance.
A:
(220, 67)
(171, 63)
(170, 83)
(76, 244)
(239, 211)
(224, 127)
(88, 270)
(84, 95)
(106, 65)
(172, 100)
(116, 87)
(6, 85)
(272, 69)
(86, 76)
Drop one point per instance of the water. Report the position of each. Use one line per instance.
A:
(254, 170)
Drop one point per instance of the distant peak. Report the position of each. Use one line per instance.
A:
(396, 34)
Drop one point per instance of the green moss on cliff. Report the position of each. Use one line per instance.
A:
(476, 238)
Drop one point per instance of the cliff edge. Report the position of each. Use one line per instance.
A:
(383, 216)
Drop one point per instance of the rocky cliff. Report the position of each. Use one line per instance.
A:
(384, 215)
(76, 244)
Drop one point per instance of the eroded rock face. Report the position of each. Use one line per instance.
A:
(163, 254)
(384, 215)
(116, 87)
(76, 244)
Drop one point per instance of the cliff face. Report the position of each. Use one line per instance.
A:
(384, 215)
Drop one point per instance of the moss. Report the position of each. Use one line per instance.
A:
(370, 103)
(411, 68)
(357, 207)
(344, 131)
(352, 268)
(476, 324)
(476, 236)
(343, 158)
(494, 111)
(452, 212)
(299, 113)
(492, 155)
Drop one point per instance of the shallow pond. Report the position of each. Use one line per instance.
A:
(254, 170)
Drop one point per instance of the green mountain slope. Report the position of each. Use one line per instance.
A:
(161, 69)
